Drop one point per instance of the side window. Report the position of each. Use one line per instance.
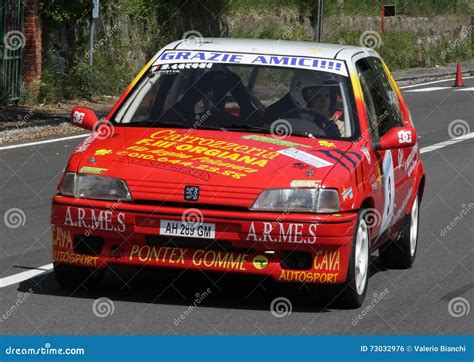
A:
(383, 109)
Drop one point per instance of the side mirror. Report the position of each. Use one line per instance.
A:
(399, 137)
(84, 118)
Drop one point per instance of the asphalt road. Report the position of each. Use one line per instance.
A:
(413, 301)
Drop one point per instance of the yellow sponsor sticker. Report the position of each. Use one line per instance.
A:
(103, 152)
(305, 183)
(327, 144)
(92, 170)
(274, 141)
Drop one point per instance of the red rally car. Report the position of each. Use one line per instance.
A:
(292, 160)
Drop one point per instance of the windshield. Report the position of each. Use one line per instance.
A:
(278, 100)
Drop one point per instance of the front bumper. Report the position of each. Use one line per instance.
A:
(306, 248)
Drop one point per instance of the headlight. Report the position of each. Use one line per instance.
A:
(94, 187)
(298, 200)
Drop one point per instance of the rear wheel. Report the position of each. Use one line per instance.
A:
(351, 294)
(401, 253)
(73, 277)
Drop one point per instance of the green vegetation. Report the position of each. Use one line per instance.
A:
(402, 50)
(129, 32)
(361, 7)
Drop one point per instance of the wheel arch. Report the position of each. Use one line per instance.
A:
(421, 187)
(368, 203)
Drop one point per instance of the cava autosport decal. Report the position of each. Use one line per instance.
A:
(184, 151)
(325, 269)
(324, 65)
(62, 239)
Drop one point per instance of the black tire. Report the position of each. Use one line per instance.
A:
(72, 277)
(348, 295)
(401, 253)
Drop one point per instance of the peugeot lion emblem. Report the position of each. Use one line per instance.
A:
(191, 193)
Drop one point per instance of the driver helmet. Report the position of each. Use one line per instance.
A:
(304, 80)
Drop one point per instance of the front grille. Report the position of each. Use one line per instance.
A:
(187, 205)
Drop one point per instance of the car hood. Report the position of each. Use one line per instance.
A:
(230, 168)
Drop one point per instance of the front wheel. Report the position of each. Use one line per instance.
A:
(401, 253)
(351, 294)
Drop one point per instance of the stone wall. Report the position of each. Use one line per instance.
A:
(427, 29)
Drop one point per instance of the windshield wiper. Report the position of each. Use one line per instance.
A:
(247, 127)
(151, 123)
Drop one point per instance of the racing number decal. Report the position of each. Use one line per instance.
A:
(388, 190)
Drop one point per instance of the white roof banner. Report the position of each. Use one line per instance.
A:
(310, 63)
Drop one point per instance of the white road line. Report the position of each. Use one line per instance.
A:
(450, 142)
(433, 82)
(20, 277)
(42, 142)
(467, 89)
(429, 89)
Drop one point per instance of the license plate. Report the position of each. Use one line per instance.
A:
(187, 229)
